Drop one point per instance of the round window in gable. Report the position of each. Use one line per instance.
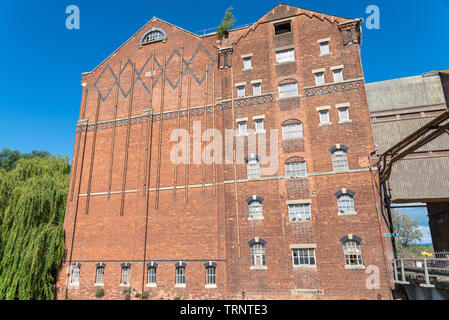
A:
(153, 35)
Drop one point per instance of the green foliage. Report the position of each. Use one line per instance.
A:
(227, 23)
(413, 251)
(32, 207)
(127, 296)
(145, 294)
(406, 228)
(9, 158)
(99, 293)
(177, 298)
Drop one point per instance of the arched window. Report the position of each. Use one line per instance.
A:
(257, 248)
(255, 206)
(152, 267)
(180, 274)
(126, 268)
(340, 158)
(345, 201)
(99, 277)
(295, 168)
(292, 129)
(252, 167)
(353, 253)
(211, 279)
(75, 278)
(153, 35)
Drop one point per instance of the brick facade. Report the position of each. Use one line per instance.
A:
(128, 201)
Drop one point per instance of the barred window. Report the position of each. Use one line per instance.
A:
(125, 275)
(210, 275)
(253, 169)
(303, 257)
(153, 36)
(151, 275)
(353, 253)
(296, 169)
(288, 90)
(180, 275)
(291, 131)
(299, 212)
(75, 279)
(99, 278)
(346, 203)
(340, 160)
(257, 255)
(255, 209)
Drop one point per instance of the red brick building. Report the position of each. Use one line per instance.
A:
(140, 218)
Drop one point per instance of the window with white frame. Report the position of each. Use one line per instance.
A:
(258, 125)
(257, 89)
(343, 113)
(180, 275)
(152, 275)
(255, 209)
(353, 253)
(153, 36)
(319, 78)
(253, 168)
(247, 63)
(257, 255)
(299, 212)
(295, 169)
(242, 127)
(285, 55)
(303, 257)
(340, 160)
(288, 90)
(211, 278)
(345, 203)
(240, 91)
(338, 75)
(99, 277)
(324, 48)
(125, 275)
(291, 131)
(324, 117)
(75, 278)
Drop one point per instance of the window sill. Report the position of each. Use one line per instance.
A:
(258, 268)
(255, 218)
(99, 284)
(286, 98)
(294, 138)
(285, 62)
(248, 69)
(261, 132)
(325, 54)
(210, 286)
(151, 285)
(125, 285)
(180, 285)
(305, 267)
(242, 135)
(355, 267)
(293, 178)
(300, 221)
(344, 121)
(325, 124)
(347, 213)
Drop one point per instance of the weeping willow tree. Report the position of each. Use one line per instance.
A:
(32, 206)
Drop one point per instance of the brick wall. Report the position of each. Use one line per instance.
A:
(208, 221)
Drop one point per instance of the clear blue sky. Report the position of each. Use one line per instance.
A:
(42, 61)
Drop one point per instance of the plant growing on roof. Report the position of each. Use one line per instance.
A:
(227, 23)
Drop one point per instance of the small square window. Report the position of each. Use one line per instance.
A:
(247, 63)
(283, 27)
(324, 48)
(324, 117)
(319, 78)
(257, 89)
(285, 55)
(240, 91)
(338, 75)
(343, 113)
(243, 128)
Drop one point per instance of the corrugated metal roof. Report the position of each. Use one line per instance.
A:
(404, 93)
(420, 179)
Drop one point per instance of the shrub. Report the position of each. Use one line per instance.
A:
(99, 293)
